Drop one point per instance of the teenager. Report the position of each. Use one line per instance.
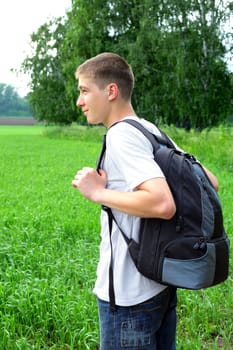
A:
(133, 186)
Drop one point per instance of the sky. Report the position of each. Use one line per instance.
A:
(18, 20)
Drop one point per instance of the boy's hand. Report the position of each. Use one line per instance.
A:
(90, 183)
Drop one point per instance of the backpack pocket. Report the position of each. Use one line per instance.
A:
(199, 272)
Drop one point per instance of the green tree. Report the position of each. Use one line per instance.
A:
(87, 34)
(176, 49)
(48, 98)
(180, 70)
(202, 80)
(113, 27)
(11, 104)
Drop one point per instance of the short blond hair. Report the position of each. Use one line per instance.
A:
(107, 68)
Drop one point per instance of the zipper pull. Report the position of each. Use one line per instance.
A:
(201, 244)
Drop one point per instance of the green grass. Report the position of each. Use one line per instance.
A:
(9, 130)
(49, 242)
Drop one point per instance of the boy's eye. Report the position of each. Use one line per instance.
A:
(83, 91)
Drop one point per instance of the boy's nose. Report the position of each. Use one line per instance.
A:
(79, 102)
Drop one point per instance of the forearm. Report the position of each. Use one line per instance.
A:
(132, 203)
(141, 203)
(152, 198)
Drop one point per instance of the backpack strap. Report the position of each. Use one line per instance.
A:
(161, 139)
(111, 218)
(102, 153)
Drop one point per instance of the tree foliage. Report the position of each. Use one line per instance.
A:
(87, 34)
(48, 98)
(11, 104)
(176, 49)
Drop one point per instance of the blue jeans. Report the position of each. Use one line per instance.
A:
(147, 326)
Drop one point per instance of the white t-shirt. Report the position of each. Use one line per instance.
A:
(128, 162)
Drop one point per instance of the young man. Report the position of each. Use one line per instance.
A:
(133, 186)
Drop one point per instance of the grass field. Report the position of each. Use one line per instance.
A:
(49, 238)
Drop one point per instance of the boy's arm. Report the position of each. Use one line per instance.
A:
(212, 178)
(152, 198)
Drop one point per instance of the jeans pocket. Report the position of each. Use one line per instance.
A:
(136, 332)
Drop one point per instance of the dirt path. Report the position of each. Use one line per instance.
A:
(17, 121)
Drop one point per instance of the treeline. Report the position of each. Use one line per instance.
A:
(176, 48)
(11, 104)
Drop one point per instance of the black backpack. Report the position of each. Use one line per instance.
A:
(191, 250)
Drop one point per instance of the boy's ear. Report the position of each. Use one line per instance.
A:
(113, 91)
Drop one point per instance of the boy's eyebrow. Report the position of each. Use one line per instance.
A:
(81, 87)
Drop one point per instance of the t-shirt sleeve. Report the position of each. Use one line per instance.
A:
(132, 154)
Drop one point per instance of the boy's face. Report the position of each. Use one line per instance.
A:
(93, 101)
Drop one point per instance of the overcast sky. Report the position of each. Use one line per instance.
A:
(19, 19)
